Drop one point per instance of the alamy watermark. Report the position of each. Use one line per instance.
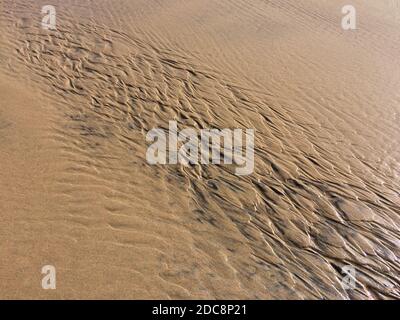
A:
(49, 280)
(349, 20)
(202, 146)
(395, 7)
(394, 4)
(349, 277)
(49, 20)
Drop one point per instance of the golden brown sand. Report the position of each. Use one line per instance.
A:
(76, 191)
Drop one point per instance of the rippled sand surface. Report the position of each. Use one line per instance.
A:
(77, 192)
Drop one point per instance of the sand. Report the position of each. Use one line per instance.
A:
(76, 191)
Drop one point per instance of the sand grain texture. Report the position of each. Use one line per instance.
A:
(76, 190)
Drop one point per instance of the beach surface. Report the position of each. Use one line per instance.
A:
(76, 190)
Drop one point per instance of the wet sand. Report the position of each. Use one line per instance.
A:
(77, 192)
